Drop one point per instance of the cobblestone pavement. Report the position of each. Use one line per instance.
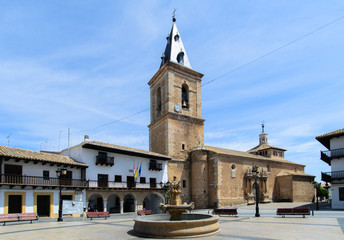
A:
(325, 224)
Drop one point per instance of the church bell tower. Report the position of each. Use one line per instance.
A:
(175, 98)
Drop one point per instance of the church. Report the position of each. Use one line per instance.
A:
(211, 176)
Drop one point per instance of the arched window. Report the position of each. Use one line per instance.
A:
(158, 99)
(185, 96)
(180, 58)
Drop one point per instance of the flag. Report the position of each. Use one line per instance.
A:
(140, 169)
(137, 171)
(133, 168)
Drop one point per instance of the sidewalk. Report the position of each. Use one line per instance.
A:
(325, 224)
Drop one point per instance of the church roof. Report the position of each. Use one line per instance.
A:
(175, 51)
(246, 155)
(286, 173)
(324, 139)
(264, 147)
(18, 153)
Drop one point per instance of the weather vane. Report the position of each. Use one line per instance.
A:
(174, 14)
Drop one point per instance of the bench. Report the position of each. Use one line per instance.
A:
(15, 217)
(226, 211)
(98, 215)
(292, 211)
(144, 212)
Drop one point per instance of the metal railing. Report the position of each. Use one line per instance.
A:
(112, 184)
(330, 176)
(335, 153)
(105, 160)
(155, 166)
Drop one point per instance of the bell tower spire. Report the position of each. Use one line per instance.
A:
(175, 51)
(176, 125)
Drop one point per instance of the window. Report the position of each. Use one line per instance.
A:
(183, 146)
(118, 178)
(185, 96)
(341, 193)
(180, 58)
(184, 183)
(45, 175)
(158, 99)
(142, 180)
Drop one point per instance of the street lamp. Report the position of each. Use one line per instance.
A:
(316, 186)
(60, 173)
(255, 174)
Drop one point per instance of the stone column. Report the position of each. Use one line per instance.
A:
(135, 205)
(121, 206)
(105, 205)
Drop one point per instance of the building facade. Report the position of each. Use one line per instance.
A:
(121, 179)
(28, 181)
(210, 176)
(334, 157)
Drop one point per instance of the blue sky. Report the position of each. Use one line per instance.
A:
(85, 65)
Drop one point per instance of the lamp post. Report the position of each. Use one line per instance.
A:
(255, 174)
(316, 186)
(60, 173)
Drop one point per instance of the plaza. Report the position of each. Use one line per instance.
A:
(325, 224)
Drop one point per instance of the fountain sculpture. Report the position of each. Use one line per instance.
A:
(174, 223)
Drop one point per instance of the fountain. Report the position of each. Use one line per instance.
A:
(175, 223)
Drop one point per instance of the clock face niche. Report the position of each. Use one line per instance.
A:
(177, 108)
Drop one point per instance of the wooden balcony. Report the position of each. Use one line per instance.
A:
(332, 176)
(45, 182)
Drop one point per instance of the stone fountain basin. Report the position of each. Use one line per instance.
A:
(191, 225)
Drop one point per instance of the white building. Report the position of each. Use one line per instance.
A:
(28, 181)
(111, 182)
(334, 156)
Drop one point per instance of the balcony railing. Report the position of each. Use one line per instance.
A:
(332, 176)
(155, 166)
(327, 156)
(121, 185)
(108, 161)
(24, 181)
(18, 180)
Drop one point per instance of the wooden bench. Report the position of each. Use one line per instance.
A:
(144, 212)
(226, 211)
(292, 211)
(98, 215)
(15, 217)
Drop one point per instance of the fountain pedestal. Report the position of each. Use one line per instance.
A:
(176, 224)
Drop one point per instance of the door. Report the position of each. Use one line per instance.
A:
(100, 206)
(130, 182)
(14, 203)
(152, 182)
(102, 180)
(43, 205)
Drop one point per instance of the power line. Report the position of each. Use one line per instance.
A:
(231, 71)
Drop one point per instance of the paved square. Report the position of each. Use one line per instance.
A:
(325, 224)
